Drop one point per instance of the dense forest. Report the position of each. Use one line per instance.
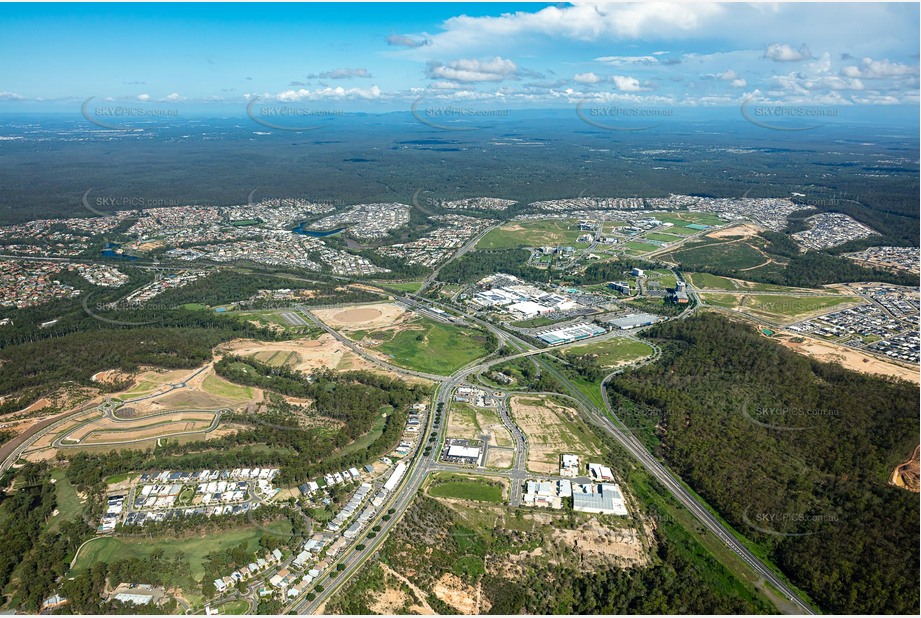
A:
(795, 453)
(478, 264)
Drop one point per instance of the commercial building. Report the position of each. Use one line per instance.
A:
(633, 320)
(569, 465)
(604, 498)
(570, 333)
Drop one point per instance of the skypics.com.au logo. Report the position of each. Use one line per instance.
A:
(455, 117)
(290, 117)
(131, 117)
(622, 117)
(779, 117)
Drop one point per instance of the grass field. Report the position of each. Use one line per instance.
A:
(723, 254)
(790, 308)
(779, 308)
(195, 549)
(222, 388)
(663, 237)
(403, 286)
(613, 351)
(436, 348)
(234, 608)
(539, 233)
(715, 282)
(377, 430)
(534, 322)
(68, 503)
(725, 301)
(640, 247)
(464, 488)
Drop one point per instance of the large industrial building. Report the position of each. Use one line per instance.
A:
(570, 333)
(633, 320)
(604, 498)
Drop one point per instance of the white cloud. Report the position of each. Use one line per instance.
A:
(341, 74)
(781, 52)
(879, 69)
(175, 97)
(729, 75)
(400, 40)
(143, 97)
(586, 78)
(625, 60)
(738, 83)
(625, 83)
(471, 70)
(11, 96)
(303, 94)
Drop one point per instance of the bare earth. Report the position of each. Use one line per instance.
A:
(746, 230)
(848, 358)
(362, 317)
(450, 589)
(325, 352)
(548, 434)
(500, 457)
(908, 475)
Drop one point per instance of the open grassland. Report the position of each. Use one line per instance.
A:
(549, 232)
(465, 488)
(68, 503)
(716, 282)
(216, 385)
(194, 548)
(613, 352)
(709, 254)
(429, 346)
(780, 308)
(552, 429)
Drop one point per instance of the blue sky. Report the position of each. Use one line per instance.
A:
(382, 57)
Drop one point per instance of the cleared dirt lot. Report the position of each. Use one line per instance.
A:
(552, 429)
(746, 230)
(363, 317)
(847, 357)
(470, 423)
(305, 355)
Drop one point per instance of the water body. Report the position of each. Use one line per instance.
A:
(111, 251)
(316, 233)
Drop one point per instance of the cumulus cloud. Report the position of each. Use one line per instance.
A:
(471, 70)
(586, 78)
(400, 40)
(625, 83)
(304, 94)
(143, 97)
(738, 83)
(341, 74)
(781, 52)
(175, 97)
(625, 60)
(878, 69)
